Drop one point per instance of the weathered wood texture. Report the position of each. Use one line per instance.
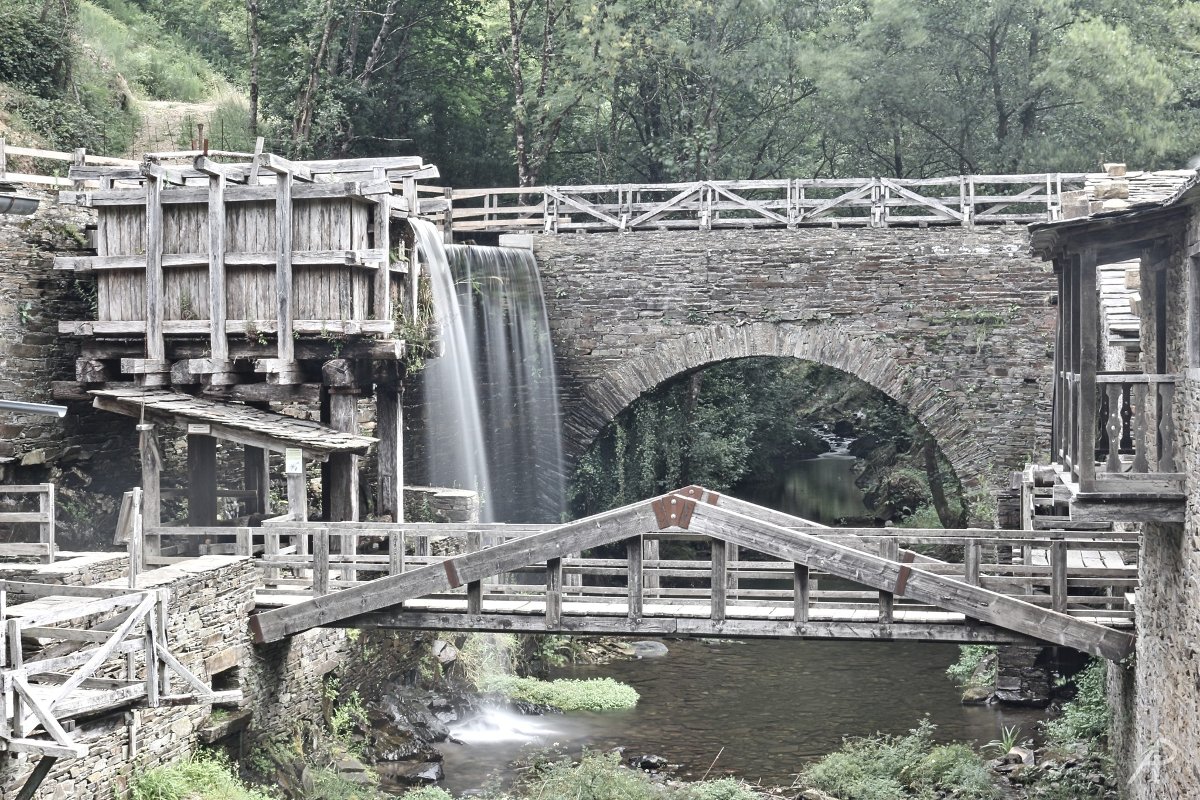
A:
(904, 592)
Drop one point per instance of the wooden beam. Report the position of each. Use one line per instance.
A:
(151, 485)
(389, 429)
(155, 344)
(285, 344)
(218, 339)
(257, 479)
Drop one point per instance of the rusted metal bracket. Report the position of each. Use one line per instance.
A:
(673, 511)
(906, 558)
(452, 573)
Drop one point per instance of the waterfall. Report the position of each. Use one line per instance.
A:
(455, 454)
(490, 402)
(500, 292)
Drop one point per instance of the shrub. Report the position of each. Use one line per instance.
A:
(598, 776)
(600, 694)
(970, 656)
(1087, 716)
(897, 767)
(428, 793)
(204, 777)
(723, 789)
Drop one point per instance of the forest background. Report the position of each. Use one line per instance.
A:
(503, 92)
(497, 92)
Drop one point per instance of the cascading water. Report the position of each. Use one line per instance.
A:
(500, 293)
(490, 401)
(455, 455)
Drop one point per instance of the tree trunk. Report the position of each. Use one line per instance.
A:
(937, 488)
(252, 31)
(304, 106)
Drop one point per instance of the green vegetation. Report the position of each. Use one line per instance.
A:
(601, 776)
(724, 425)
(600, 694)
(1087, 717)
(970, 656)
(487, 662)
(203, 777)
(897, 767)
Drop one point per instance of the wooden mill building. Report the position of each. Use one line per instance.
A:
(227, 288)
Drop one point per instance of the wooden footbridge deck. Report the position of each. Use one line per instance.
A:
(766, 575)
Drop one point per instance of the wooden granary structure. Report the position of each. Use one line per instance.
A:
(242, 280)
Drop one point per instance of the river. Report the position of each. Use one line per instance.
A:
(755, 709)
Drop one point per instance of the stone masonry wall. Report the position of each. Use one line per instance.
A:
(955, 323)
(91, 455)
(1155, 700)
(211, 598)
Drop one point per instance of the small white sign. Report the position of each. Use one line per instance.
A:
(199, 429)
(293, 461)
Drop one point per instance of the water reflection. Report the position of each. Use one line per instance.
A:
(820, 489)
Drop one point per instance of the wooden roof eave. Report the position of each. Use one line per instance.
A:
(130, 407)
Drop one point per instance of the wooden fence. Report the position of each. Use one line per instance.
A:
(43, 518)
(705, 205)
(26, 158)
(70, 651)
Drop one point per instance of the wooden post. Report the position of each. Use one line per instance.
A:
(971, 557)
(244, 543)
(156, 348)
(218, 338)
(151, 486)
(46, 528)
(889, 548)
(257, 479)
(633, 552)
(1088, 334)
(1058, 575)
(136, 534)
(270, 551)
(286, 346)
(650, 580)
(3, 158)
(297, 486)
(474, 588)
(202, 480)
(389, 428)
(343, 393)
(719, 579)
(383, 242)
(448, 225)
(801, 592)
(321, 561)
(1166, 424)
(395, 552)
(553, 593)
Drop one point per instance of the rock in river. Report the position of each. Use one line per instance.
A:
(649, 649)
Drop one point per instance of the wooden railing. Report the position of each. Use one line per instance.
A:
(706, 205)
(43, 518)
(1118, 434)
(1084, 577)
(87, 650)
(79, 157)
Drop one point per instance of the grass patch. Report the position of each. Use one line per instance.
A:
(897, 767)
(601, 776)
(203, 777)
(1086, 717)
(147, 56)
(600, 694)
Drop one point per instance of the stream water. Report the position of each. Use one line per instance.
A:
(761, 709)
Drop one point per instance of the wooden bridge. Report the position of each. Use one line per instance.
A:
(767, 575)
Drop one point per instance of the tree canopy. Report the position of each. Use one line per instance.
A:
(560, 91)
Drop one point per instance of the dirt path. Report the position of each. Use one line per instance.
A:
(168, 125)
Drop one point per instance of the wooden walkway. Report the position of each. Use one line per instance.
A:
(765, 575)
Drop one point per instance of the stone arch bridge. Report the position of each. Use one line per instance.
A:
(956, 323)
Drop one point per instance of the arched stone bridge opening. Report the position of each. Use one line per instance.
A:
(955, 324)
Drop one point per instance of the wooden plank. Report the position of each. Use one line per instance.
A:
(320, 565)
(155, 344)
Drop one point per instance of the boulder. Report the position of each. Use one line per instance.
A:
(649, 649)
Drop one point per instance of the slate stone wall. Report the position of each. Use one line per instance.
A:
(1156, 724)
(955, 323)
(211, 598)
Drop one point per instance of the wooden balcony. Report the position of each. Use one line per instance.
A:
(1115, 447)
